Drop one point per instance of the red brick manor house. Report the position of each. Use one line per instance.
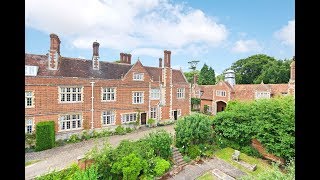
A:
(79, 94)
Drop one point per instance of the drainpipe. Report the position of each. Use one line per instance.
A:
(92, 84)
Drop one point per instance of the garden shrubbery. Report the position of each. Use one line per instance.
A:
(45, 135)
(194, 135)
(146, 158)
(270, 121)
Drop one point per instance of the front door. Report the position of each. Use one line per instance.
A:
(143, 118)
(175, 115)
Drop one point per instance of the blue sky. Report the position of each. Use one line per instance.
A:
(214, 32)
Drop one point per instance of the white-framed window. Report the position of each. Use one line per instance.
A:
(70, 94)
(30, 70)
(138, 76)
(180, 93)
(221, 93)
(262, 94)
(137, 98)
(28, 126)
(155, 93)
(109, 94)
(284, 93)
(70, 122)
(153, 112)
(108, 118)
(130, 117)
(28, 99)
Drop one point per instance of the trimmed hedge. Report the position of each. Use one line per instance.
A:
(45, 135)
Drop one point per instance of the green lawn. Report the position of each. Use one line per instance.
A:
(206, 176)
(262, 166)
(30, 162)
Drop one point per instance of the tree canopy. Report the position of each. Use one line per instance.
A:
(206, 76)
(260, 67)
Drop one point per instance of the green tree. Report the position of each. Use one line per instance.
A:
(261, 67)
(206, 76)
(275, 72)
(189, 75)
(248, 69)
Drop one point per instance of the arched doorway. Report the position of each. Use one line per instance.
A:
(221, 106)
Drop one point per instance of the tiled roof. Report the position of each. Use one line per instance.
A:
(75, 67)
(207, 91)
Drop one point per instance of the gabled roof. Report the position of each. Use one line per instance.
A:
(207, 91)
(75, 67)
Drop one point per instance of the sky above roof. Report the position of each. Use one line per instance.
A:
(214, 32)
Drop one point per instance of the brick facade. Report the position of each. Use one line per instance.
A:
(89, 75)
(218, 95)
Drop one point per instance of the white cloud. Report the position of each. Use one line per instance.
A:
(243, 46)
(287, 34)
(153, 52)
(125, 25)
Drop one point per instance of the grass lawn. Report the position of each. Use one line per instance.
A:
(262, 166)
(207, 176)
(30, 162)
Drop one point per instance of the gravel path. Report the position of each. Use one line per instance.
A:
(61, 157)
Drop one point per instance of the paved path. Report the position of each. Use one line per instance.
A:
(191, 172)
(61, 157)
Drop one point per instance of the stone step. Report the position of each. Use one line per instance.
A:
(221, 175)
(175, 155)
(179, 160)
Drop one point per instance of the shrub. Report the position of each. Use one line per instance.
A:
(60, 142)
(186, 158)
(30, 139)
(85, 135)
(194, 151)
(87, 174)
(74, 138)
(120, 130)
(194, 129)
(270, 121)
(161, 166)
(161, 143)
(129, 166)
(96, 134)
(151, 122)
(45, 135)
(105, 133)
(63, 174)
(128, 130)
(249, 150)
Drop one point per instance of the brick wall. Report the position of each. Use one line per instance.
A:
(257, 145)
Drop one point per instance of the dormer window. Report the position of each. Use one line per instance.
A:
(31, 70)
(262, 94)
(138, 76)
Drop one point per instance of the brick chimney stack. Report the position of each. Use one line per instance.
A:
(129, 58)
(160, 62)
(54, 52)
(125, 58)
(195, 79)
(121, 57)
(292, 70)
(167, 58)
(95, 56)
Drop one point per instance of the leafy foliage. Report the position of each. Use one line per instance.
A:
(120, 130)
(271, 121)
(260, 67)
(30, 139)
(161, 166)
(190, 75)
(206, 76)
(193, 130)
(161, 142)
(130, 166)
(45, 135)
